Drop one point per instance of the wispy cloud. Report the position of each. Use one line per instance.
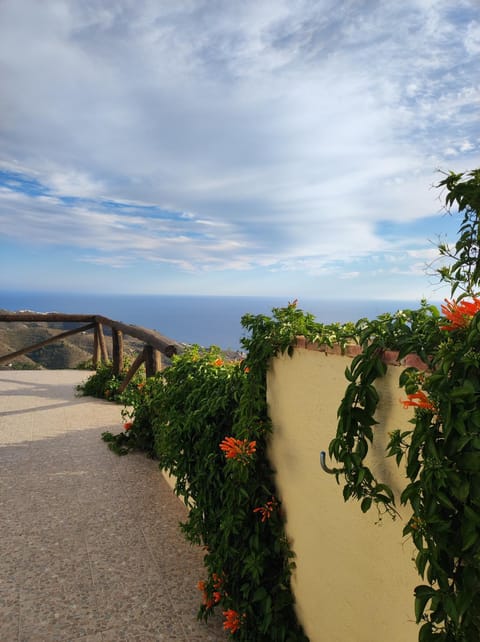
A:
(233, 136)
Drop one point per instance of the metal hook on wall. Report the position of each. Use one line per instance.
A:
(323, 464)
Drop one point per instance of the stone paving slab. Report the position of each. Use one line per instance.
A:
(91, 550)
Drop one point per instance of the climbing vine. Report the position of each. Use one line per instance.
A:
(441, 450)
(206, 421)
(215, 448)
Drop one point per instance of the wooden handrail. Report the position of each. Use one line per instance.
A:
(49, 317)
(167, 346)
(155, 342)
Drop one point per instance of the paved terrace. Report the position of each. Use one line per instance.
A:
(90, 546)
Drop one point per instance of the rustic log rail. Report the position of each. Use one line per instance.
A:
(155, 344)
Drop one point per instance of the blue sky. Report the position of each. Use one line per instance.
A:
(282, 147)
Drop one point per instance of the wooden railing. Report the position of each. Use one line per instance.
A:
(155, 344)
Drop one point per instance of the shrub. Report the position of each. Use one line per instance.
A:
(104, 384)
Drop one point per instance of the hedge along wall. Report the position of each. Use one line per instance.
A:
(354, 577)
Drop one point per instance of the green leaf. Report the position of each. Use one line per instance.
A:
(445, 500)
(469, 461)
(366, 504)
(467, 389)
(464, 601)
(260, 594)
(426, 633)
(361, 476)
(461, 490)
(451, 608)
(422, 560)
(469, 536)
(347, 493)
(472, 515)
(423, 594)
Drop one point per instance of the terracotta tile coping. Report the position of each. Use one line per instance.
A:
(389, 357)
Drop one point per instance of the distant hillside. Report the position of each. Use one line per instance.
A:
(72, 352)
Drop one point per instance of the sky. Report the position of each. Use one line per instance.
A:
(242, 147)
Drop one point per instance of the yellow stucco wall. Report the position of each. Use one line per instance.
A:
(354, 578)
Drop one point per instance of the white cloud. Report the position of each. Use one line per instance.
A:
(278, 133)
(472, 41)
(425, 253)
(73, 183)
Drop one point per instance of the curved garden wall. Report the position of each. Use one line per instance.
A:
(354, 577)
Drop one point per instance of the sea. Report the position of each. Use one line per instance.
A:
(202, 320)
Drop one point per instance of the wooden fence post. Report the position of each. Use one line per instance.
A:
(117, 343)
(102, 343)
(97, 357)
(153, 362)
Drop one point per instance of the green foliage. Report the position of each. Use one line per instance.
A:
(209, 425)
(22, 365)
(441, 451)
(104, 384)
(408, 331)
(85, 365)
(101, 384)
(194, 406)
(463, 271)
(138, 432)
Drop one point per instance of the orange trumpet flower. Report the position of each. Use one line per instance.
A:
(459, 314)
